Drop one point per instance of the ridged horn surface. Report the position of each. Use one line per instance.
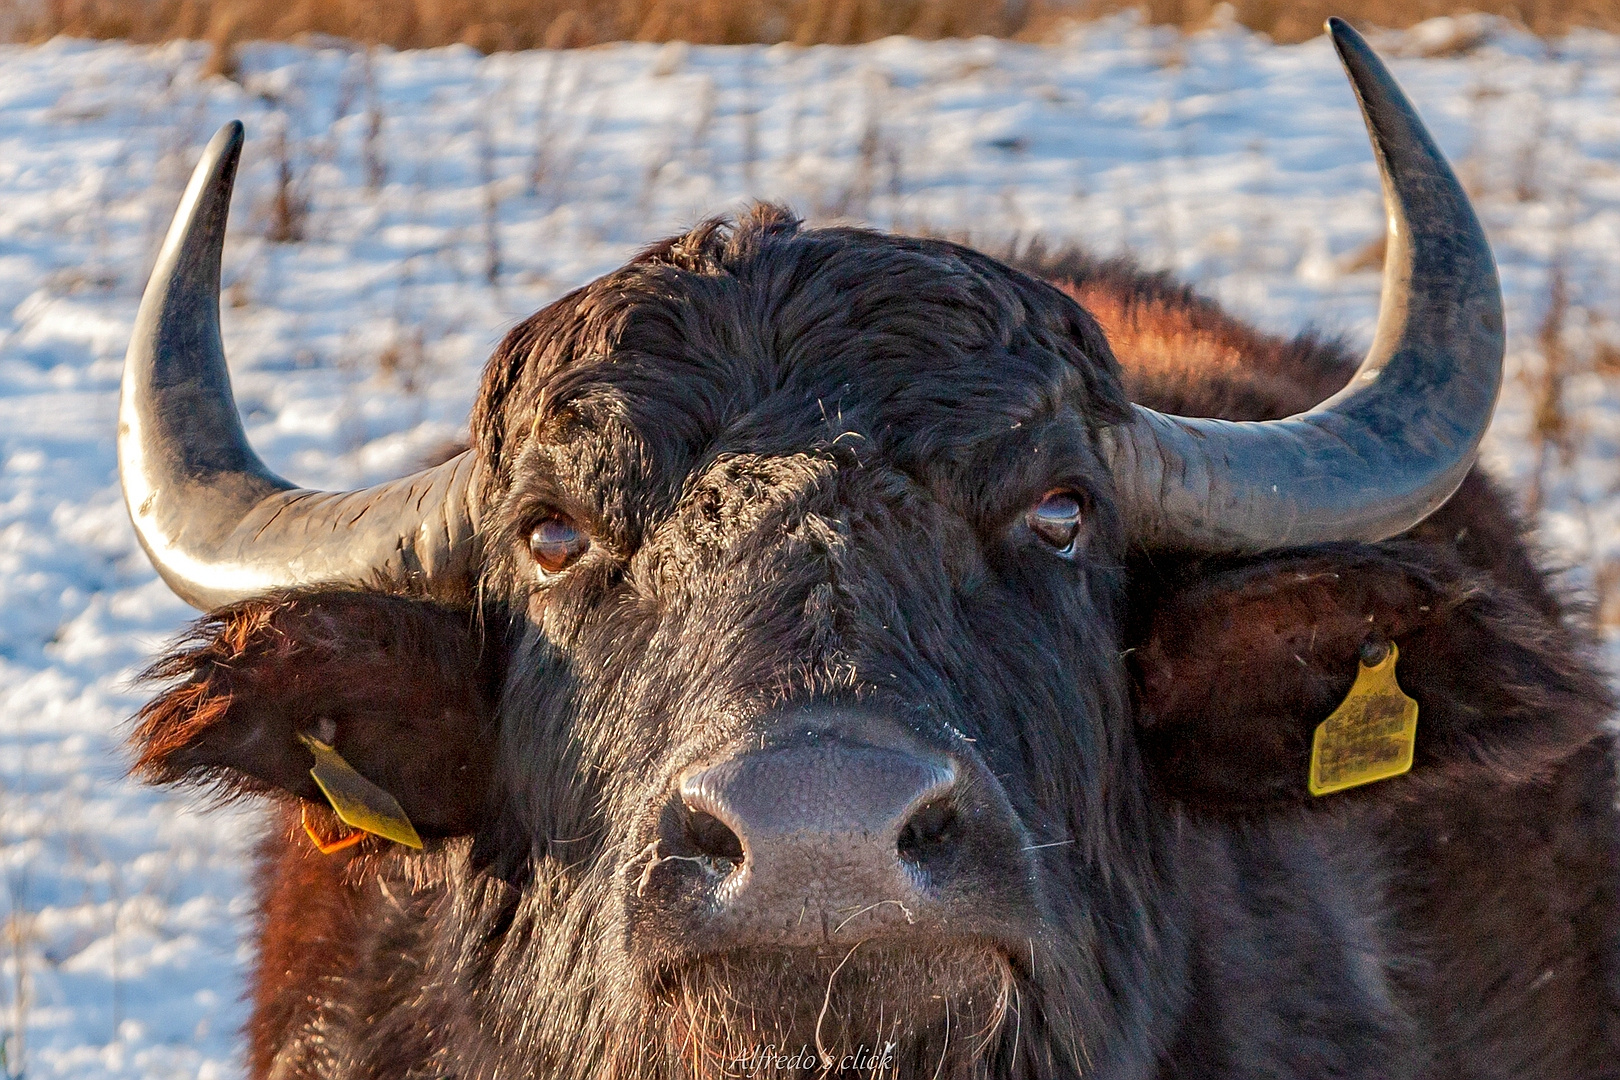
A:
(218, 525)
(1387, 450)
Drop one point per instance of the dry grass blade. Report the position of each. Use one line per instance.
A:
(1550, 429)
(289, 206)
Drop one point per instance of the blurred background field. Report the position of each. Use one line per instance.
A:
(492, 25)
(400, 208)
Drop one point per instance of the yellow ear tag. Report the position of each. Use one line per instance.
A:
(1369, 736)
(357, 801)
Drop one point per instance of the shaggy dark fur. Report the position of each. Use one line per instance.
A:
(804, 458)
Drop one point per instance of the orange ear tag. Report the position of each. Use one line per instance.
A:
(357, 801)
(1369, 737)
(328, 844)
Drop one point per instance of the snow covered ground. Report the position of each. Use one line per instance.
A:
(441, 196)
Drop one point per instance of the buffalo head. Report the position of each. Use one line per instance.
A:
(756, 676)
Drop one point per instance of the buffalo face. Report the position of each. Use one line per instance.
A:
(814, 569)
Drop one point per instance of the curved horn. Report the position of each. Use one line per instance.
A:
(216, 523)
(1383, 453)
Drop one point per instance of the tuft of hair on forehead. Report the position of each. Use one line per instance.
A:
(901, 331)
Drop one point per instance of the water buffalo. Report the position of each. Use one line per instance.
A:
(847, 654)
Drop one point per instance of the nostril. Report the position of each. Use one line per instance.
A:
(710, 837)
(931, 829)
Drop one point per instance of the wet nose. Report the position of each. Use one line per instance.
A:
(834, 840)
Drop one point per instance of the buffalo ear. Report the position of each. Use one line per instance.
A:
(403, 689)
(1236, 664)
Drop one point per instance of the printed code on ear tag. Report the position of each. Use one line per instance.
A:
(1369, 736)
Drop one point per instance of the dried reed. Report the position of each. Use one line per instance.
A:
(497, 25)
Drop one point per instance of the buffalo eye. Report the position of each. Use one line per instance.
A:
(555, 542)
(1056, 519)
